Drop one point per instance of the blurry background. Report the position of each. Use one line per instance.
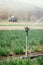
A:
(30, 10)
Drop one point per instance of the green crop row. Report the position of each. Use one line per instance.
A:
(15, 61)
(15, 41)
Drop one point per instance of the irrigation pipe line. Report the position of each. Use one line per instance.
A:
(34, 56)
(31, 56)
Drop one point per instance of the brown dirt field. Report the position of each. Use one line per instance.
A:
(31, 25)
(21, 23)
(19, 55)
(19, 27)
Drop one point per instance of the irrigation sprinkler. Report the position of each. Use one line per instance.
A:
(26, 30)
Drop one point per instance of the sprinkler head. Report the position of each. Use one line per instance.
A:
(26, 29)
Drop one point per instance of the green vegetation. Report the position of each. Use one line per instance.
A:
(14, 41)
(18, 61)
(17, 20)
(3, 20)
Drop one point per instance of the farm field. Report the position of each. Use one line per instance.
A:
(20, 25)
(15, 61)
(3, 20)
(21, 32)
(13, 41)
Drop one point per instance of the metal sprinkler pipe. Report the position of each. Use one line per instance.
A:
(26, 30)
